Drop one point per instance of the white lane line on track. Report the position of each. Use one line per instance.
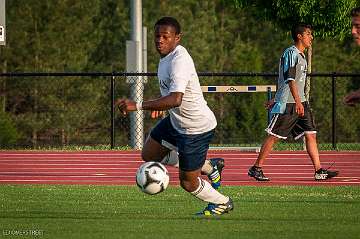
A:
(291, 183)
(137, 159)
(133, 171)
(233, 167)
(57, 173)
(64, 164)
(116, 158)
(73, 176)
(138, 154)
(336, 165)
(40, 157)
(275, 178)
(72, 160)
(130, 175)
(120, 182)
(294, 167)
(73, 154)
(243, 170)
(76, 169)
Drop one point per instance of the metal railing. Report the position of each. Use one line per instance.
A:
(115, 82)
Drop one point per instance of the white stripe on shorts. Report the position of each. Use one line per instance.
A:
(272, 122)
(305, 132)
(169, 145)
(271, 126)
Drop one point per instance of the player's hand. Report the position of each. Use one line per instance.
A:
(299, 109)
(157, 114)
(125, 105)
(269, 104)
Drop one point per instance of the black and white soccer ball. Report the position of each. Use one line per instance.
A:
(152, 177)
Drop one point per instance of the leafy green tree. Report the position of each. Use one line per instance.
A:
(328, 18)
(80, 36)
(331, 23)
(60, 40)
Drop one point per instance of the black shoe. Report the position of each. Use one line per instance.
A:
(257, 173)
(323, 174)
(215, 177)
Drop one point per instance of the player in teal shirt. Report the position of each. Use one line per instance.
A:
(291, 112)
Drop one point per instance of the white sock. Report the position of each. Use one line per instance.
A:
(172, 159)
(207, 193)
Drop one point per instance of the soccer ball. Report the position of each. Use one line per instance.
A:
(152, 177)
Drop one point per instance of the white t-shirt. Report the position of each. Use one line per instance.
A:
(176, 73)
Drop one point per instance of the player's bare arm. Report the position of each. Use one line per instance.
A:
(299, 107)
(172, 100)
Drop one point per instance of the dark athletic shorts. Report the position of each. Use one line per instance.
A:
(192, 148)
(291, 124)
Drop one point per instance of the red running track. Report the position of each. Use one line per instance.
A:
(119, 167)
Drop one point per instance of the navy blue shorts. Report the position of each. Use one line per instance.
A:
(192, 148)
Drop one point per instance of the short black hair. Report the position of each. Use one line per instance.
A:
(355, 12)
(299, 28)
(169, 21)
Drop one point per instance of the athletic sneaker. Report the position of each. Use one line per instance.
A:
(257, 173)
(323, 174)
(217, 209)
(215, 176)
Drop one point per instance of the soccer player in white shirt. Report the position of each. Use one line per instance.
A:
(182, 138)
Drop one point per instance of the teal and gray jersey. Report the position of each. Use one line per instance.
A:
(293, 66)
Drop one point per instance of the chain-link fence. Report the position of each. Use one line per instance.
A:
(62, 109)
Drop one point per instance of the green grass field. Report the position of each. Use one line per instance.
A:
(43, 211)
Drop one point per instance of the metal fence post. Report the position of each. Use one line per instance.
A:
(112, 101)
(333, 86)
(269, 96)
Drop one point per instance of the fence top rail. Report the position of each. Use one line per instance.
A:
(209, 74)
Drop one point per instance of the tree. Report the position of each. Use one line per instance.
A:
(61, 39)
(80, 36)
(329, 18)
